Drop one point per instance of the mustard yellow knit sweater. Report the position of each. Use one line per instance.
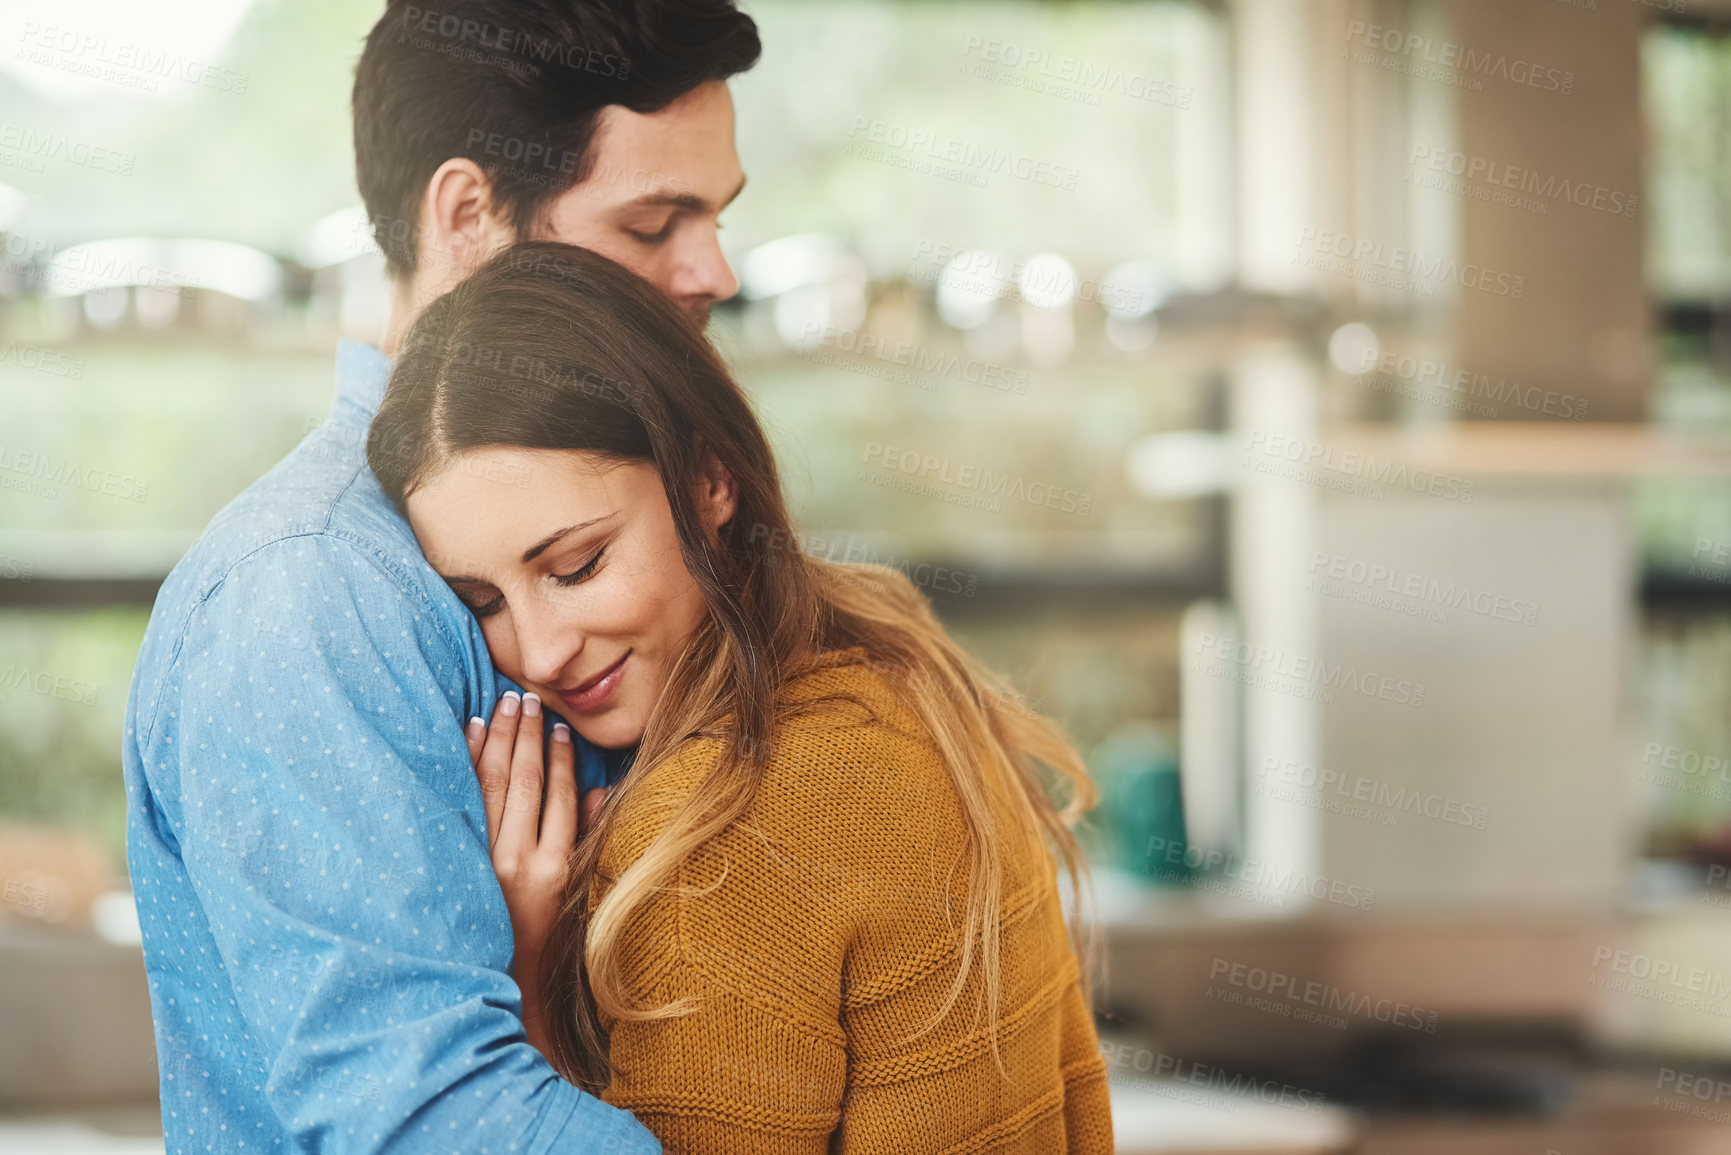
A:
(817, 932)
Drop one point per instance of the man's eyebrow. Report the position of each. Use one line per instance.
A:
(691, 202)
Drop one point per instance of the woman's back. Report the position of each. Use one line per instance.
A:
(818, 932)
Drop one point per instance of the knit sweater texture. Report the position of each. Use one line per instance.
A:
(820, 931)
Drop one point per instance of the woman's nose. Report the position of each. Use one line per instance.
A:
(547, 639)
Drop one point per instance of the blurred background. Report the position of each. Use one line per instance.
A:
(1322, 407)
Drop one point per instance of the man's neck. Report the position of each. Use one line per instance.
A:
(405, 307)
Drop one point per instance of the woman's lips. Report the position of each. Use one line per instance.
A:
(593, 694)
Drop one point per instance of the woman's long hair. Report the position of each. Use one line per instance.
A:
(549, 346)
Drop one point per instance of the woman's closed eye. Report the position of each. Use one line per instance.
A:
(482, 600)
(582, 572)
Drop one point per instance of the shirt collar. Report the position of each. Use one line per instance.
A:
(362, 373)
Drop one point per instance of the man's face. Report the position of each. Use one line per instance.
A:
(654, 195)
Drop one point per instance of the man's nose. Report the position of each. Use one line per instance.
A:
(706, 277)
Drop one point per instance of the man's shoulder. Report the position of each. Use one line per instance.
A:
(310, 555)
(319, 500)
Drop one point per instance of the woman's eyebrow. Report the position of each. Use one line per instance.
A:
(542, 546)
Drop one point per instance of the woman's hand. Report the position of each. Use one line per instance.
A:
(532, 822)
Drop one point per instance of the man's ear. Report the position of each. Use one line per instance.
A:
(717, 492)
(461, 224)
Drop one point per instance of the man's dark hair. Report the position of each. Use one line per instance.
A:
(516, 86)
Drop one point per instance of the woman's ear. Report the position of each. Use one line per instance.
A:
(717, 493)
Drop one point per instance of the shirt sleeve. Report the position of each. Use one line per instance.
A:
(314, 774)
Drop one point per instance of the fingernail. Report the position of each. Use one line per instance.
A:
(531, 705)
(476, 727)
(561, 732)
(508, 704)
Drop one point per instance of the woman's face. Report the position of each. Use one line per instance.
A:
(571, 563)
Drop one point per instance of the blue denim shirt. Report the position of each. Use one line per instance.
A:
(328, 951)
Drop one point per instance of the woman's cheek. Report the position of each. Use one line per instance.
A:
(619, 603)
(501, 642)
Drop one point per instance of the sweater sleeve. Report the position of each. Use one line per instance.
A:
(756, 935)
